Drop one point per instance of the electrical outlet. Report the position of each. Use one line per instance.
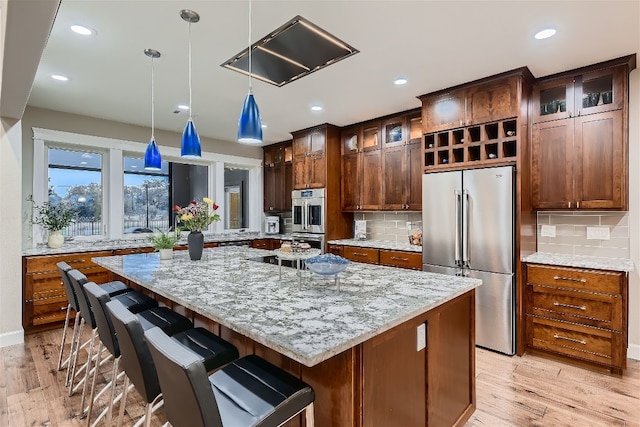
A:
(408, 225)
(421, 337)
(598, 233)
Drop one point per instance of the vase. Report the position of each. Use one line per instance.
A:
(195, 242)
(56, 239)
(166, 253)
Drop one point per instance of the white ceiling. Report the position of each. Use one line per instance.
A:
(435, 44)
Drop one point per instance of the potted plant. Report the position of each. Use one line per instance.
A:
(165, 242)
(196, 217)
(54, 217)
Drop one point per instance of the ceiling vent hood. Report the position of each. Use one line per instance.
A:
(294, 50)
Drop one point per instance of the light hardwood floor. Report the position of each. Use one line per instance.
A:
(511, 391)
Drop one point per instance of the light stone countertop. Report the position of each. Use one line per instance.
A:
(308, 324)
(141, 241)
(378, 244)
(581, 261)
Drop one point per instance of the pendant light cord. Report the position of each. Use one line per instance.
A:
(249, 43)
(153, 103)
(190, 116)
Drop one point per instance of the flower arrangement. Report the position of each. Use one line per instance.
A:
(197, 215)
(53, 216)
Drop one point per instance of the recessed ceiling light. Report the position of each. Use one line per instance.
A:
(400, 81)
(316, 107)
(83, 31)
(183, 107)
(60, 77)
(545, 34)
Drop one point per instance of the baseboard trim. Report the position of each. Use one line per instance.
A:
(633, 351)
(12, 338)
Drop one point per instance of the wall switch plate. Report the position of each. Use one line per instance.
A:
(421, 335)
(548, 231)
(598, 233)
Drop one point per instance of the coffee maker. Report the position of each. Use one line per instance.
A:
(272, 225)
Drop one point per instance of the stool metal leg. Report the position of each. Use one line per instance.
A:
(64, 337)
(72, 369)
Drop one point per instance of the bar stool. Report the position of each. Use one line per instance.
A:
(139, 366)
(133, 300)
(163, 317)
(248, 392)
(114, 288)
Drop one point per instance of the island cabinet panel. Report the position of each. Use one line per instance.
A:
(44, 297)
(578, 313)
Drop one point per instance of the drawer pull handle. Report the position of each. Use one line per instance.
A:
(75, 261)
(577, 307)
(397, 258)
(63, 308)
(560, 337)
(359, 254)
(571, 279)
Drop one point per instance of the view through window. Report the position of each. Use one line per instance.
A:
(146, 197)
(76, 177)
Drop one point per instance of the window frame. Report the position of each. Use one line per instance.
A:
(114, 151)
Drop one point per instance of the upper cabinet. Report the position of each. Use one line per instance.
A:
(580, 138)
(474, 104)
(278, 177)
(361, 167)
(576, 95)
(309, 165)
(479, 124)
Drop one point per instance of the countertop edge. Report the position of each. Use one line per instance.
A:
(580, 261)
(377, 244)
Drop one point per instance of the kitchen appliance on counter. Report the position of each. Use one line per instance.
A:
(468, 224)
(308, 210)
(272, 225)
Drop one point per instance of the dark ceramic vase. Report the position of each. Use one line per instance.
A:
(195, 242)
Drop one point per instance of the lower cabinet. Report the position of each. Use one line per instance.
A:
(390, 258)
(578, 313)
(268, 244)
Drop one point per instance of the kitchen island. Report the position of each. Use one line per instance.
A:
(393, 347)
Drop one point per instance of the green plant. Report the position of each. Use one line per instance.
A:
(166, 240)
(53, 216)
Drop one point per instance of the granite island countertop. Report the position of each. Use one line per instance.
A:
(580, 261)
(310, 323)
(378, 244)
(141, 241)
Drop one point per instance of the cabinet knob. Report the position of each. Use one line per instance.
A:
(577, 205)
(569, 205)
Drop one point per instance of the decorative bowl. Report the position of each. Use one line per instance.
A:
(327, 264)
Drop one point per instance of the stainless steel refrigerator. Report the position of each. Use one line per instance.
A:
(468, 229)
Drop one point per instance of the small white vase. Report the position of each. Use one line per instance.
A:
(166, 253)
(56, 239)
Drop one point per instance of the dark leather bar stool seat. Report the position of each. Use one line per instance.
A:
(247, 392)
(137, 361)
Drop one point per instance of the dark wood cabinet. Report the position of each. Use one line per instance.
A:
(577, 313)
(402, 171)
(309, 161)
(278, 177)
(580, 138)
(443, 111)
(387, 257)
(361, 177)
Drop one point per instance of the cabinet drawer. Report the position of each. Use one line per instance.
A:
(128, 251)
(578, 279)
(45, 311)
(368, 255)
(37, 264)
(49, 285)
(336, 250)
(261, 244)
(581, 342)
(402, 259)
(600, 310)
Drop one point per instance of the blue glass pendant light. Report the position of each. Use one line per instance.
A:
(250, 125)
(152, 158)
(190, 139)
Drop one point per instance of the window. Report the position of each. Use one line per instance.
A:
(235, 197)
(76, 177)
(146, 197)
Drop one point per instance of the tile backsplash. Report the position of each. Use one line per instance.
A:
(570, 229)
(390, 226)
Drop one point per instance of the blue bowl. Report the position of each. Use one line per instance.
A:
(327, 264)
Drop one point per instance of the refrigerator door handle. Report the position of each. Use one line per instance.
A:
(458, 222)
(465, 230)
